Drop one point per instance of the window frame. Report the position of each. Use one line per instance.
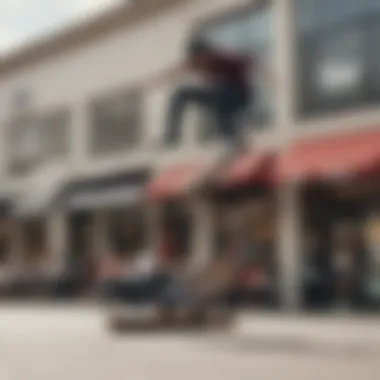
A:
(260, 122)
(18, 166)
(67, 118)
(104, 101)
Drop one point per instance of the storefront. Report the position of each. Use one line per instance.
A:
(245, 219)
(34, 241)
(106, 224)
(183, 216)
(337, 185)
(35, 226)
(207, 211)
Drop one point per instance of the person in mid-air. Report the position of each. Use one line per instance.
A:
(225, 88)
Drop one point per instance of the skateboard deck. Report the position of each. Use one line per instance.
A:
(123, 321)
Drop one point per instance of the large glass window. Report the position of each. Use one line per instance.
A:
(116, 123)
(338, 61)
(126, 232)
(249, 32)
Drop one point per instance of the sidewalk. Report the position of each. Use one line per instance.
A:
(327, 330)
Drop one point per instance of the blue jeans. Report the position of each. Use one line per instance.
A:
(225, 101)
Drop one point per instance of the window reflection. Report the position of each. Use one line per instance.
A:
(376, 61)
(337, 59)
(341, 65)
(116, 123)
(249, 32)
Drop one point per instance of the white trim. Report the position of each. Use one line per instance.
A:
(102, 198)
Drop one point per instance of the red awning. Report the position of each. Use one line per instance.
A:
(252, 166)
(176, 181)
(332, 157)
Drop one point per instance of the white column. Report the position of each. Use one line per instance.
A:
(57, 238)
(285, 85)
(290, 216)
(289, 245)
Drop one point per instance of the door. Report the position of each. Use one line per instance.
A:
(80, 255)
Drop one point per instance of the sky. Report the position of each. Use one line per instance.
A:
(22, 21)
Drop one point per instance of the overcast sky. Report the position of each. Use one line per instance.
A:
(25, 20)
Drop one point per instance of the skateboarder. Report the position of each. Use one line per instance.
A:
(225, 88)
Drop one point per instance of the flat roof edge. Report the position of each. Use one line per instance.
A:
(80, 34)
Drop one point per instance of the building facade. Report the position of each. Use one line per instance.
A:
(82, 111)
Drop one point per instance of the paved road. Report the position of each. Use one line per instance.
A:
(70, 343)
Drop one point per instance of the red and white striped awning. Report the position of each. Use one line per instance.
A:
(248, 168)
(331, 157)
(176, 181)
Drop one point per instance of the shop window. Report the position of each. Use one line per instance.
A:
(341, 266)
(116, 123)
(372, 243)
(249, 32)
(178, 231)
(247, 226)
(376, 59)
(337, 58)
(126, 233)
(35, 240)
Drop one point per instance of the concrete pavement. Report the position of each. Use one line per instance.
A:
(329, 330)
(38, 343)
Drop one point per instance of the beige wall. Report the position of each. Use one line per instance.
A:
(123, 58)
(131, 55)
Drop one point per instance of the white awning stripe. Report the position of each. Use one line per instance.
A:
(117, 196)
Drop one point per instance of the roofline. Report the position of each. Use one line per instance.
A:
(117, 18)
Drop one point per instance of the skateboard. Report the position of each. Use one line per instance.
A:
(125, 321)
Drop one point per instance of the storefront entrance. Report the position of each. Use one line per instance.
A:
(340, 248)
(245, 222)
